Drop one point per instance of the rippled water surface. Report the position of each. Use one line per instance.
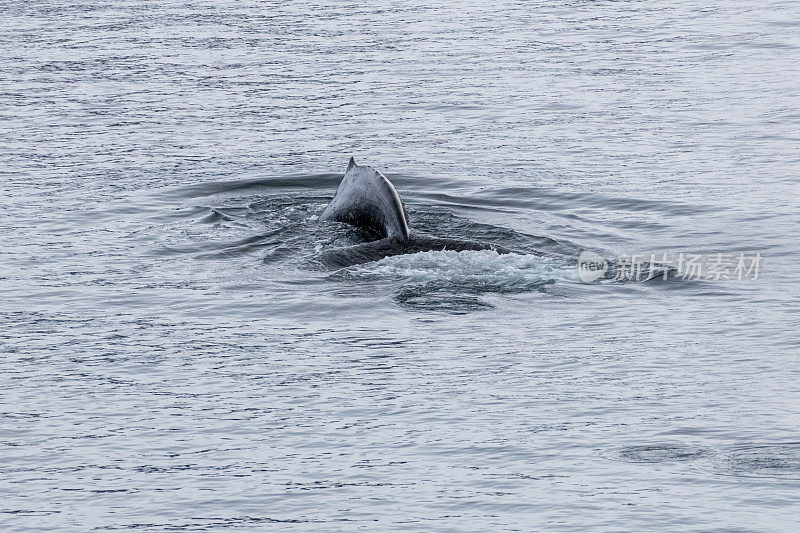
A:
(184, 345)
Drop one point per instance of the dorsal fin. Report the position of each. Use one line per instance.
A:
(366, 198)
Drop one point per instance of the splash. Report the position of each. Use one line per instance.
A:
(455, 281)
(487, 269)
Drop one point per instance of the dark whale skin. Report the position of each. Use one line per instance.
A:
(366, 198)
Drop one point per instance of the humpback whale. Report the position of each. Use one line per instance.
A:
(367, 199)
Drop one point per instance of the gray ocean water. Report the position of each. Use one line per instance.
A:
(176, 355)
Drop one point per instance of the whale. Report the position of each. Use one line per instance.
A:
(367, 200)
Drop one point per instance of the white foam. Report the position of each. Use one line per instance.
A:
(482, 268)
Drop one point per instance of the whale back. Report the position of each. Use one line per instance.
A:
(366, 198)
